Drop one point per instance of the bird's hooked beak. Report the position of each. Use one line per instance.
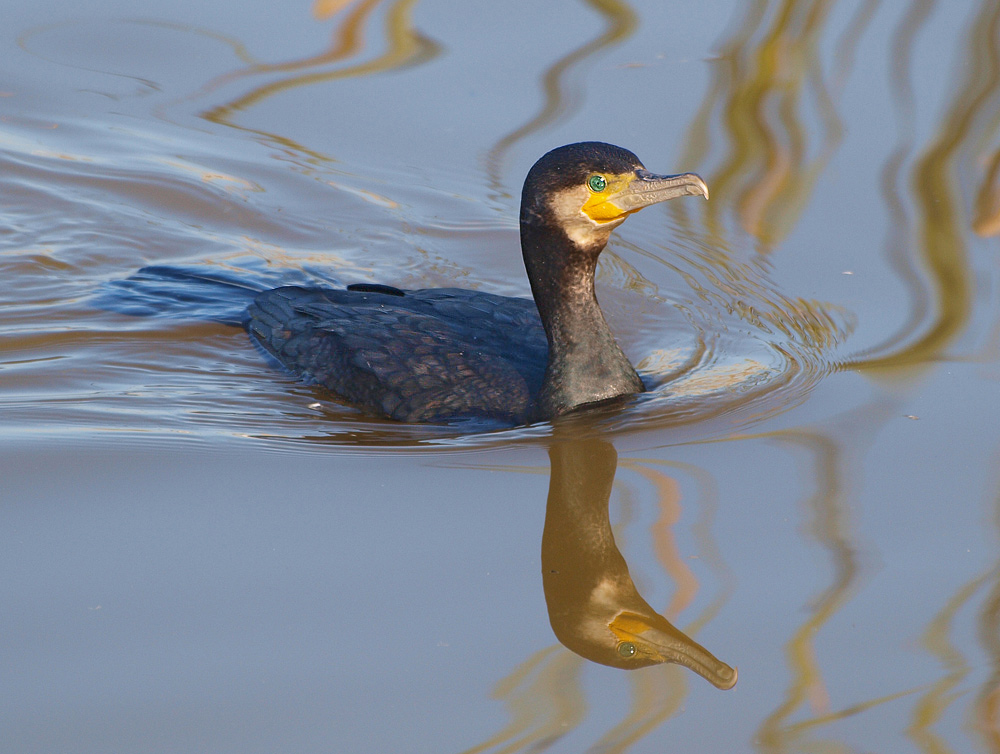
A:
(630, 192)
(653, 638)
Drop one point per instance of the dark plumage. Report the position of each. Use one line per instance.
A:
(416, 357)
(438, 354)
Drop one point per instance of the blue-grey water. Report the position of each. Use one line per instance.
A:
(201, 553)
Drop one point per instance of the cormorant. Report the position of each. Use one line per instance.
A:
(594, 606)
(438, 354)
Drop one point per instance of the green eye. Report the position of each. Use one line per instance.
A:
(625, 648)
(597, 183)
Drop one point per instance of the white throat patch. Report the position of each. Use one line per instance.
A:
(567, 207)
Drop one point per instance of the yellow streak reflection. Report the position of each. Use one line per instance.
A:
(543, 700)
(323, 9)
(931, 707)
(406, 47)
(987, 706)
(656, 697)
(898, 244)
(766, 72)
(987, 709)
(830, 527)
(987, 219)
(560, 100)
(969, 122)
(664, 542)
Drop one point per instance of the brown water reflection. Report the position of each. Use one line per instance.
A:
(987, 219)
(596, 611)
(406, 47)
(594, 607)
(758, 95)
(831, 527)
(934, 703)
(561, 98)
(987, 709)
(767, 73)
(968, 127)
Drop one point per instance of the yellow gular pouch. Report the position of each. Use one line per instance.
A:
(600, 206)
(627, 626)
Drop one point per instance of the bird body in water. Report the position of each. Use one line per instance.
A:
(439, 354)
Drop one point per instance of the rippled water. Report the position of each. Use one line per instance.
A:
(205, 554)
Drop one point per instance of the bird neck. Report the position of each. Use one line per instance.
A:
(578, 545)
(586, 364)
(585, 579)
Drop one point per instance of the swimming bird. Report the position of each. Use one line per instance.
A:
(439, 354)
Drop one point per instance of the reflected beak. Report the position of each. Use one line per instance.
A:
(655, 638)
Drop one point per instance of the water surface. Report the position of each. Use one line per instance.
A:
(204, 554)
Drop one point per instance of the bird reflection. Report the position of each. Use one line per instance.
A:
(594, 607)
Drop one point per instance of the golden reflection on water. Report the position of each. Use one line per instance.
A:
(831, 528)
(560, 98)
(932, 705)
(833, 452)
(767, 72)
(987, 706)
(664, 543)
(987, 218)
(986, 711)
(968, 126)
(405, 47)
(544, 701)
